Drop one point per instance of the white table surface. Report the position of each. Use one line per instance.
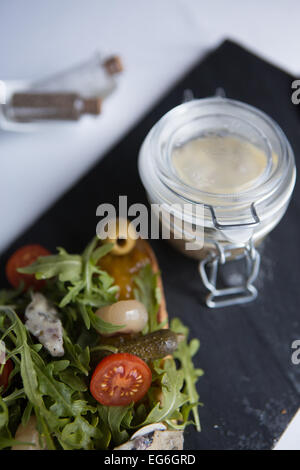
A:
(158, 41)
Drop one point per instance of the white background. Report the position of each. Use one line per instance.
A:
(158, 41)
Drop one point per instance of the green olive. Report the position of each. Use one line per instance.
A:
(131, 313)
(123, 238)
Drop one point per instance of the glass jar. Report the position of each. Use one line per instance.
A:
(241, 203)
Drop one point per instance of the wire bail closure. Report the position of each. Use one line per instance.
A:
(229, 296)
(219, 226)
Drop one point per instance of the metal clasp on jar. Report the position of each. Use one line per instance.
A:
(233, 295)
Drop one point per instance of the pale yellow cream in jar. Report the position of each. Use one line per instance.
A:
(219, 164)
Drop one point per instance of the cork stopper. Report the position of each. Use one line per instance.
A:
(113, 65)
(92, 106)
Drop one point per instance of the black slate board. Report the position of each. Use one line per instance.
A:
(250, 389)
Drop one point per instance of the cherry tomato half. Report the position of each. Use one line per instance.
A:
(4, 377)
(120, 379)
(24, 257)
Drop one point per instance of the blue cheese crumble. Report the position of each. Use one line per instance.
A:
(42, 321)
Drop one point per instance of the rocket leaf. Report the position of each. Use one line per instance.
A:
(184, 354)
(67, 267)
(171, 381)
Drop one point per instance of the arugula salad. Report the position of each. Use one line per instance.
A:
(87, 360)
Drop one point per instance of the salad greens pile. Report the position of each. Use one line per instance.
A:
(56, 390)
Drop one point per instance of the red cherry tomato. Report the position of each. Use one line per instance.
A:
(120, 379)
(24, 257)
(4, 376)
